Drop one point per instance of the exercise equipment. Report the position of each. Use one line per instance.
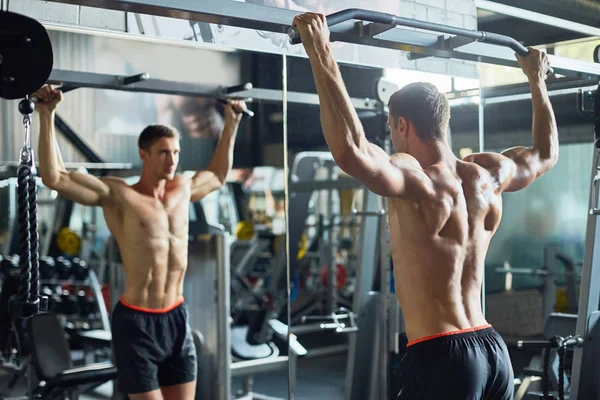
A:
(549, 274)
(51, 360)
(26, 57)
(142, 82)
(554, 364)
(393, 20)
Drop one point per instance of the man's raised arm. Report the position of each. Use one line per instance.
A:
(344, 133)
(518, 167)
(77, 186)
(211, 179)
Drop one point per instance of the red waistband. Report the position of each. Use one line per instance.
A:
(458, 332)
(152, 310)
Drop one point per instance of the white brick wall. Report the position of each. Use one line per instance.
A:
(409, 9)
(45, 11)
(455, 19)
(91, 17)
(103, 19)
(459, 13)
(433, 3)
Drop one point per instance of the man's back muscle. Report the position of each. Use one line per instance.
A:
(438, 247)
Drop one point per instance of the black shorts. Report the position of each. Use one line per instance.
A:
(152, 349)
(463, 365)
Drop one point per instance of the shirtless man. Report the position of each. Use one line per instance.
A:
(153, 347)
(443, 211)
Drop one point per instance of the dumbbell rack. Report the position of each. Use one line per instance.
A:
(91, 282)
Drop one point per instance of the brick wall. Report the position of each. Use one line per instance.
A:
(88, 17)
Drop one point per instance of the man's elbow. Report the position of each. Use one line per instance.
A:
(346, 159)
(50, 180)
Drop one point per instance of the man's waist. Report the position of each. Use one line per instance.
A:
(145, 307)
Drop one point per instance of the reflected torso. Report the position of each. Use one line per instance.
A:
(152, 236)
(438, 247)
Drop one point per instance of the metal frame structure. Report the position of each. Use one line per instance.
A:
(80, 79)
(278, 20)
(527, 15)
(584, 383)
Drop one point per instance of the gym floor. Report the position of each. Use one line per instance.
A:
(317, 378)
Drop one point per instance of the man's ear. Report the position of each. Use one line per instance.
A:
(402, 126)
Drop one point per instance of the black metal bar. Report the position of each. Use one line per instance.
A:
(4, 165)
(237, 88)
(384, 18)
(136, 78)
(76, 141)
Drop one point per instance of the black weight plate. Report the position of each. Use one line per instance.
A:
(26, 56)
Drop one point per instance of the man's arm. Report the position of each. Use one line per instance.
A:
(211, 179)
(386, 176)
(518, 167)
(77, 186)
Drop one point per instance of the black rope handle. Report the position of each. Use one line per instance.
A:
(23, 177)
(33, 238)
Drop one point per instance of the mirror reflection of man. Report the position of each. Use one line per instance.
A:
(151, 335)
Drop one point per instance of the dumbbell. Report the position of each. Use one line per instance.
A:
(5, 265)
(80, 269)
(69, 302)
(47, 292)
(64, 268)
(47, 267)
(56, 304)
(10, 266)
(87, 304)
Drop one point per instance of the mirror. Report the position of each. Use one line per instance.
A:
(225, 248)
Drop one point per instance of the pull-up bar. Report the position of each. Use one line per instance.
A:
(393, 20)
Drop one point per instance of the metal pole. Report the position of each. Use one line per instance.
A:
(549, 295)
(364, 275)
(589, 296)
(481, 149)
(330, 246)
(384, 269)
(223, 312)
(286, 188)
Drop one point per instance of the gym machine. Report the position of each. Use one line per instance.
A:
(33, 339)
(549, 273)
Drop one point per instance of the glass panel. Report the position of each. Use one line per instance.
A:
(198, 213)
